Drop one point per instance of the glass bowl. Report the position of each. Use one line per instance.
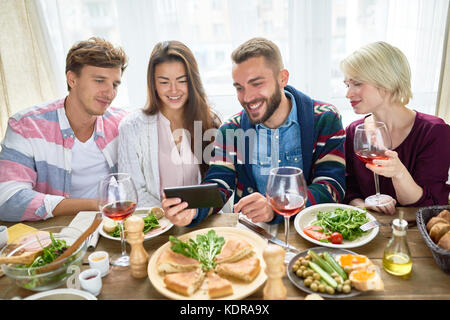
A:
(34, 278)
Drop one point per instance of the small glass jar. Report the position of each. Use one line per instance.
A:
(397, 257)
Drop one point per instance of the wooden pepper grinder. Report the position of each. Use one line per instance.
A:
(275, 269)
(134, 227)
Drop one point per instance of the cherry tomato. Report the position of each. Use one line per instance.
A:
(315, 232)
(336, 238)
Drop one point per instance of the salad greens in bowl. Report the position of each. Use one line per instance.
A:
(52, 241)
(335, 225)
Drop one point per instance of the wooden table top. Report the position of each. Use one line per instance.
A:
(426, 282)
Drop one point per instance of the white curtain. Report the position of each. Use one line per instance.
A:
(313, 35)
(26, 74)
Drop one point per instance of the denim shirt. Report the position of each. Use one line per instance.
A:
(269, 153)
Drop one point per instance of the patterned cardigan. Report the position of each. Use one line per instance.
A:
(322, 139)
(35, 160)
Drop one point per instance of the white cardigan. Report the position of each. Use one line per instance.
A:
(138, 155)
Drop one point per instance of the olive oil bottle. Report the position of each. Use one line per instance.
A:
(397, 257)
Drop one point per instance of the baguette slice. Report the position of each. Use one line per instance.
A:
(366, 280)
(171, 262)
(185, 283)
(218, 286)
(353, 262)
(246, 269)
(234, 250)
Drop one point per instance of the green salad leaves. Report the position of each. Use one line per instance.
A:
(150, 222)
(204, 248)
(50, 253)
(346, 222)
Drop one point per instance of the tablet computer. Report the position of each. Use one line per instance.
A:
(197, 196)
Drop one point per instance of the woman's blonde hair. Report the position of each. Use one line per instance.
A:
(383, 66)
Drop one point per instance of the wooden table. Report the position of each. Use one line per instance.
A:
(426, 282)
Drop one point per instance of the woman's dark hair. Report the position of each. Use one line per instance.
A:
(197, 107)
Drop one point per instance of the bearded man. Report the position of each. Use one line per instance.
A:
(279, 126)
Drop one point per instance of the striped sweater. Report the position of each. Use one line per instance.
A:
(323, 139)
(35, 160)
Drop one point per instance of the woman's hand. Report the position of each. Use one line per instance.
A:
(407, 191)
(176, 211)
(390, 168)
(386, 209)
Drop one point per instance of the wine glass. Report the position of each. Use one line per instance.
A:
(117, 200)
(286, 192)
(371, 141)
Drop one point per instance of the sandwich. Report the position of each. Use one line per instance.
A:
(234, 250)
(185, 283)
(218, 286)
(245, 269)
(171, 262)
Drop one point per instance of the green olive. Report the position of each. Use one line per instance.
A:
(316, 276)
(305, 263)
(329, 290)
(307, 282)
(295, 268)
(322, 288)
(346, 288)
(303, 268)
(348, 282)
(339, 287)
(314, 287)
(299, 273)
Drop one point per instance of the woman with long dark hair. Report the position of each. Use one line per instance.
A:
(162, 145)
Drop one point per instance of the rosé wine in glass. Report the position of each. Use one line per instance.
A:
(117, 199)
(286, 192)
(371, 141)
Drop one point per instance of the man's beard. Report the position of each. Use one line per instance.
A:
(272, 105)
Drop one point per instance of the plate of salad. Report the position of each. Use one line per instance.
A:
(335, 225)
(154, 224)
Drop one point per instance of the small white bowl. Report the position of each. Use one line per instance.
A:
(62, 294)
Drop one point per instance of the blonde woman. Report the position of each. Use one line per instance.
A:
(378, 79)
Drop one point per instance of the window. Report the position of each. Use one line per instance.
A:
(313, 37)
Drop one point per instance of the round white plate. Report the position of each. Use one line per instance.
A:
(62, 294)
(308, 215)
(241, 289)
(142, 212)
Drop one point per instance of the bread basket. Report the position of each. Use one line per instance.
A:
(441, 256)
